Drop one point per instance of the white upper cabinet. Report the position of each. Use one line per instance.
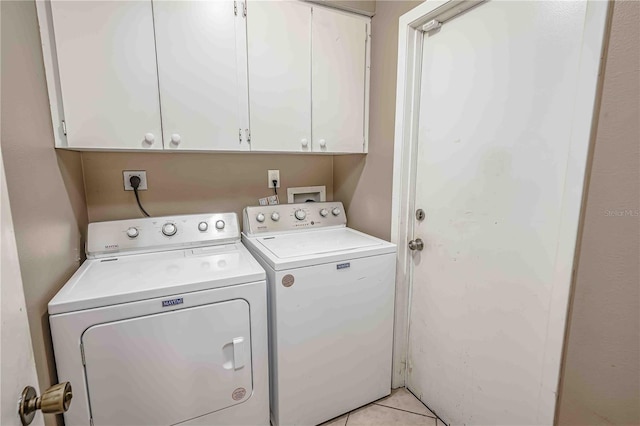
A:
(279, 56)
(308, 78)
(203, 89)
(338, 81)
(270, 76)
(107, 74)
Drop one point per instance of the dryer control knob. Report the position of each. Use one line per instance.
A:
(324, 212)
(132, 232)
(169, 229)
(335, 211)
(260, 217)
(300, 214)
(220, 224)
(203, 226)
(275, 216)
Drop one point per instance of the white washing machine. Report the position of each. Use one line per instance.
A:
(331, 293)
(164, 324)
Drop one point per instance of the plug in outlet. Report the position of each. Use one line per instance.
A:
(273, 175)
(140, 173)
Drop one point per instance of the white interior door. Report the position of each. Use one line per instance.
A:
(169, 367)
(338, 81)
(203, 98)
(107, 63)
(498, 96)
(18, 368)
(279, 58)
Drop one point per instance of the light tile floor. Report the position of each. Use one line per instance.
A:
(400, 408)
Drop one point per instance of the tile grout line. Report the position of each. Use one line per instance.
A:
(422, 402)
(406, 411)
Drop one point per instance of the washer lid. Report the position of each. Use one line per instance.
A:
(103, 282)
(286, 246)
(298, 249)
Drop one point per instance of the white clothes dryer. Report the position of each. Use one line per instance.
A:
(164, 324)
(331, 300)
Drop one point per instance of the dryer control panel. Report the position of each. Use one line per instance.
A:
(293, 217)
(151, 234)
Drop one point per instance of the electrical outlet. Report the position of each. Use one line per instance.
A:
(140, 173)
(273, 175)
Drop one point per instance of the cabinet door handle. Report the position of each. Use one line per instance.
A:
(323, 143)
(149, 138)
(176, 139)
(304, 142)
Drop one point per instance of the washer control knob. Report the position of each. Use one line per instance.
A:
(324, 212)
(335, 211)
(203, 226)
(169, 229)
(300, 214)
(275, 216)
(220, 224)
(132, 232)
(260, 217)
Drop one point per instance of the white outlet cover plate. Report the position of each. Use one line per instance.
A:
(273, 175)
(126, 175)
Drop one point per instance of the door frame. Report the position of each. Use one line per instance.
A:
(410, 41)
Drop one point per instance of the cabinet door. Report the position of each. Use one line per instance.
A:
(339, 80)
(107, 70)
(202, 100)
(279, 56)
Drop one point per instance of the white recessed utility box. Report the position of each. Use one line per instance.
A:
(306, 194)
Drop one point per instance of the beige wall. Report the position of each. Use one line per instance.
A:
(50, 211)
(601, 380)
(194, 183)
(363, 182)
(45, 187)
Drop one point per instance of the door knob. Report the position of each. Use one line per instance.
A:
(416, 244)
(55, 400)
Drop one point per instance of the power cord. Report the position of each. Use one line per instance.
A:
(275, 183)
(135, 183)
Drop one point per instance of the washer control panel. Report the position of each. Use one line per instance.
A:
(291, 217)
(132, 236)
